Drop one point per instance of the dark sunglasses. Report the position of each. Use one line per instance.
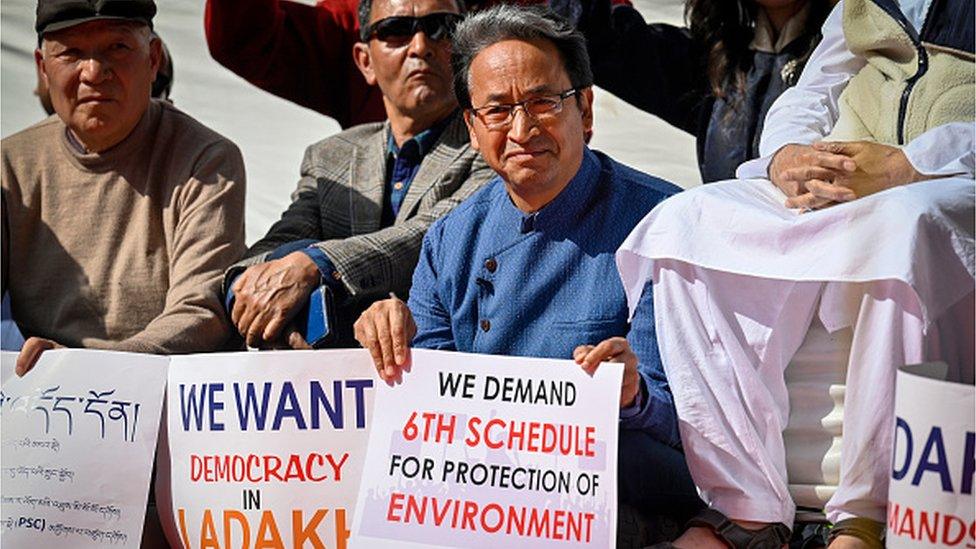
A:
(437, 26)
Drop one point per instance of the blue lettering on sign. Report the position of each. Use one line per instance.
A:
(190, 407)
(969, 464)
(288, 407)
(200, 404)
(359, 386)
(933, 458)
(940, 465)
(901, 426)
(250, 405)
(333, 407)
(215, 406)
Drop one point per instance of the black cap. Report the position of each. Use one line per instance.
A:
(53, 15)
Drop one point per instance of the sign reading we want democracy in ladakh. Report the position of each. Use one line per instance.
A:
(490, 451)
(265, 449)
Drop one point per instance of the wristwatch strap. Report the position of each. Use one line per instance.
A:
(869, 531)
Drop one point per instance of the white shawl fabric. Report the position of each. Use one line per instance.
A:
(745, 287)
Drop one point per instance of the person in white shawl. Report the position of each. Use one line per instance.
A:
(787, 299)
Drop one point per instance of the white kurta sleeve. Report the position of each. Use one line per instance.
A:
(944, 150)
(807, 112)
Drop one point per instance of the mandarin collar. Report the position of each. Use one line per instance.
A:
(568, 206)
(570, 203)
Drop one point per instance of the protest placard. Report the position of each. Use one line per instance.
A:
(491, 451)
(930, 498)
(264, 449)
(79, 435)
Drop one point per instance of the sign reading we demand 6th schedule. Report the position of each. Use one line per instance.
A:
(490, 451)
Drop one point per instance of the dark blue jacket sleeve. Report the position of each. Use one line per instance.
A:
(317, 256)
(657, 415)
(433, 321)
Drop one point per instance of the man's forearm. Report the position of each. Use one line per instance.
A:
(193, 329)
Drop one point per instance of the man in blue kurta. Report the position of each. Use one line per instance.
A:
(526, 266)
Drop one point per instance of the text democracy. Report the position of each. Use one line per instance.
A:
(312, 467)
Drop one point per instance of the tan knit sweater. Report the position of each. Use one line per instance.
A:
(869, 105)
(122, 249)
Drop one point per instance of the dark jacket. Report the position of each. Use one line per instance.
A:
(661, 69)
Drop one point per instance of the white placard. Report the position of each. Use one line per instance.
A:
(492, 451)
(79, 436)
(930, 499)
(265, 449)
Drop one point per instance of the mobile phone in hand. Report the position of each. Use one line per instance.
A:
(316, 322)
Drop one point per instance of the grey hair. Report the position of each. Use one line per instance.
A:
(365, 7)
(509, 22)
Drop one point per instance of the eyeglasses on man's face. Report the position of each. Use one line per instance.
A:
(539, 108)
(400, 29)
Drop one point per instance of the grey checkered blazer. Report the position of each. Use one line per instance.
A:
(339, 201)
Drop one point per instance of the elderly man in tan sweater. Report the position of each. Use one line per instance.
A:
(119, 213)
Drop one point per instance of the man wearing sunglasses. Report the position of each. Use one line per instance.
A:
(526, 266)
(367, 195)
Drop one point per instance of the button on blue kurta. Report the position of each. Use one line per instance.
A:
(494, 280)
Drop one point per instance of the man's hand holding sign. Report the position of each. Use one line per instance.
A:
(387, 328)
(615, 349)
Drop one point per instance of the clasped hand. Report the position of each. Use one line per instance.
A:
(826, 173)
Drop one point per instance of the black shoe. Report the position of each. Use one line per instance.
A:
(632, 528)
(636, 530)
